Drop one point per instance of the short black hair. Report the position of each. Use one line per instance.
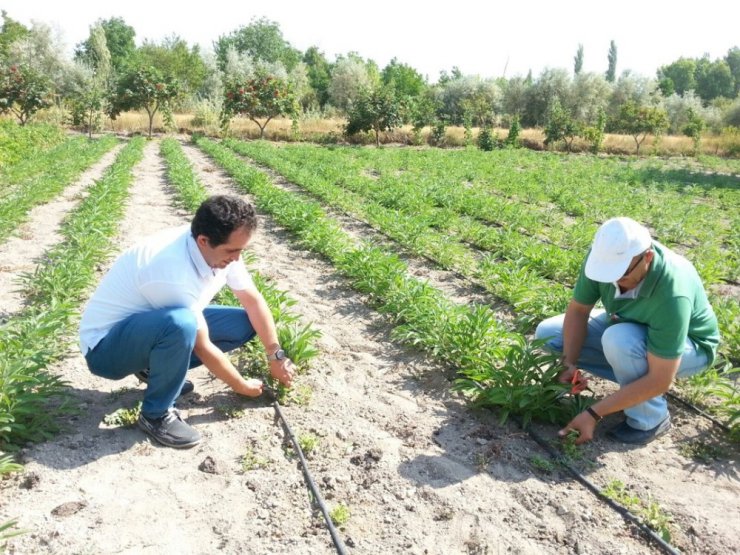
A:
(218, 216)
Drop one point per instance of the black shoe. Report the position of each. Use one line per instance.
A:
(187, 387)
(170, 430)
(627, 434)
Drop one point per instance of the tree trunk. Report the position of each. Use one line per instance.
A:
(151, 120)
(262, 127)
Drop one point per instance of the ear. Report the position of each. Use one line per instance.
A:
(202, 241)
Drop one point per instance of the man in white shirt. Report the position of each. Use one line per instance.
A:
(150, 315)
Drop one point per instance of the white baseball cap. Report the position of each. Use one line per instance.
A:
(616, 242)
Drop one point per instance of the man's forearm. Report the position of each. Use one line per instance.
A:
(261, 319)
(575, 326)
(656, 382)
(220, 366)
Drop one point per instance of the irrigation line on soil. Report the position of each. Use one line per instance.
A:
(697, 410)
(628, 516)
(341, 549)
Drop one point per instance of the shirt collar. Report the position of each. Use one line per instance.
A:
(201, 266)
(654, 272)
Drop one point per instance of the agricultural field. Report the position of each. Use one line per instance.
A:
(392, 273)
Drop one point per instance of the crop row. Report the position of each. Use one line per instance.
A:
(515, 271)
(512, 280)
(591, 189)
(306, 176)
(40, 334)
(299, 340)
(468, 338)
(467, 184)
(445, 215)
(40, 181)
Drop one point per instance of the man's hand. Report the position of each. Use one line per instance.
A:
(250, 388)
(283, 371)
(573, 375)
(584, 424)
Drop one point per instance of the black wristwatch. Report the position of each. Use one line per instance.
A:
(277, 355)
(595, 415)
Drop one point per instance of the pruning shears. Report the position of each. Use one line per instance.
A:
(578, 384)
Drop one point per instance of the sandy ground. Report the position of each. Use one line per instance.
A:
(418, 470)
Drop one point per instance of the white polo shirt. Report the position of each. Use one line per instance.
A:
(165, 270)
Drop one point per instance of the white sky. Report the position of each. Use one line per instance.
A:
(482, 37)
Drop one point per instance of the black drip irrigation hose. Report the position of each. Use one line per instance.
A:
(697, 410)
(338, 543)
(580, 478)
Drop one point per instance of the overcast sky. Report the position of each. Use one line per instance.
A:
(486, 38)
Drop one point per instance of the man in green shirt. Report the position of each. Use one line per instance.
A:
(656, 325)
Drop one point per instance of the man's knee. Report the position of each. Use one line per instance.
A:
(180, 323)
(551, 331)
(625, 346)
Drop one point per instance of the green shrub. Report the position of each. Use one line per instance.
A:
(487, 140)
(512, 138)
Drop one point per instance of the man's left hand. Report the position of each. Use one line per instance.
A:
(584, 424)
(283, 371)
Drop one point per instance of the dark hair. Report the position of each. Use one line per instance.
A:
(218, 216)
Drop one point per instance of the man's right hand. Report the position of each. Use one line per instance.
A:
(251, 388)
(567, 375)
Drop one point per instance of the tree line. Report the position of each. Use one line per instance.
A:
(255, 72)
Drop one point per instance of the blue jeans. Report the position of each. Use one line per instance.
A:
(162, 341)
(619, 353)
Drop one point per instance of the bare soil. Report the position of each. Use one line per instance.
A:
(419, 471)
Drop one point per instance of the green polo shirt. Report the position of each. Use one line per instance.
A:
(672, 304)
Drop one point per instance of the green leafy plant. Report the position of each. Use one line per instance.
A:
(640, 121)
(701, 451)
(569, 447)
(251, 461)
(299, 395)
(6, 532)
(512, 139)
(308, 443)
(123, 416)
(487, 140)
(649, 511)
(340, 515)
(524, 383)
(8, 464)
(21, 143)
(728, 391)
(540, 463)
(50, 173)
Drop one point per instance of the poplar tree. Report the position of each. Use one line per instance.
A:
(578, 60)
(611, 72)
